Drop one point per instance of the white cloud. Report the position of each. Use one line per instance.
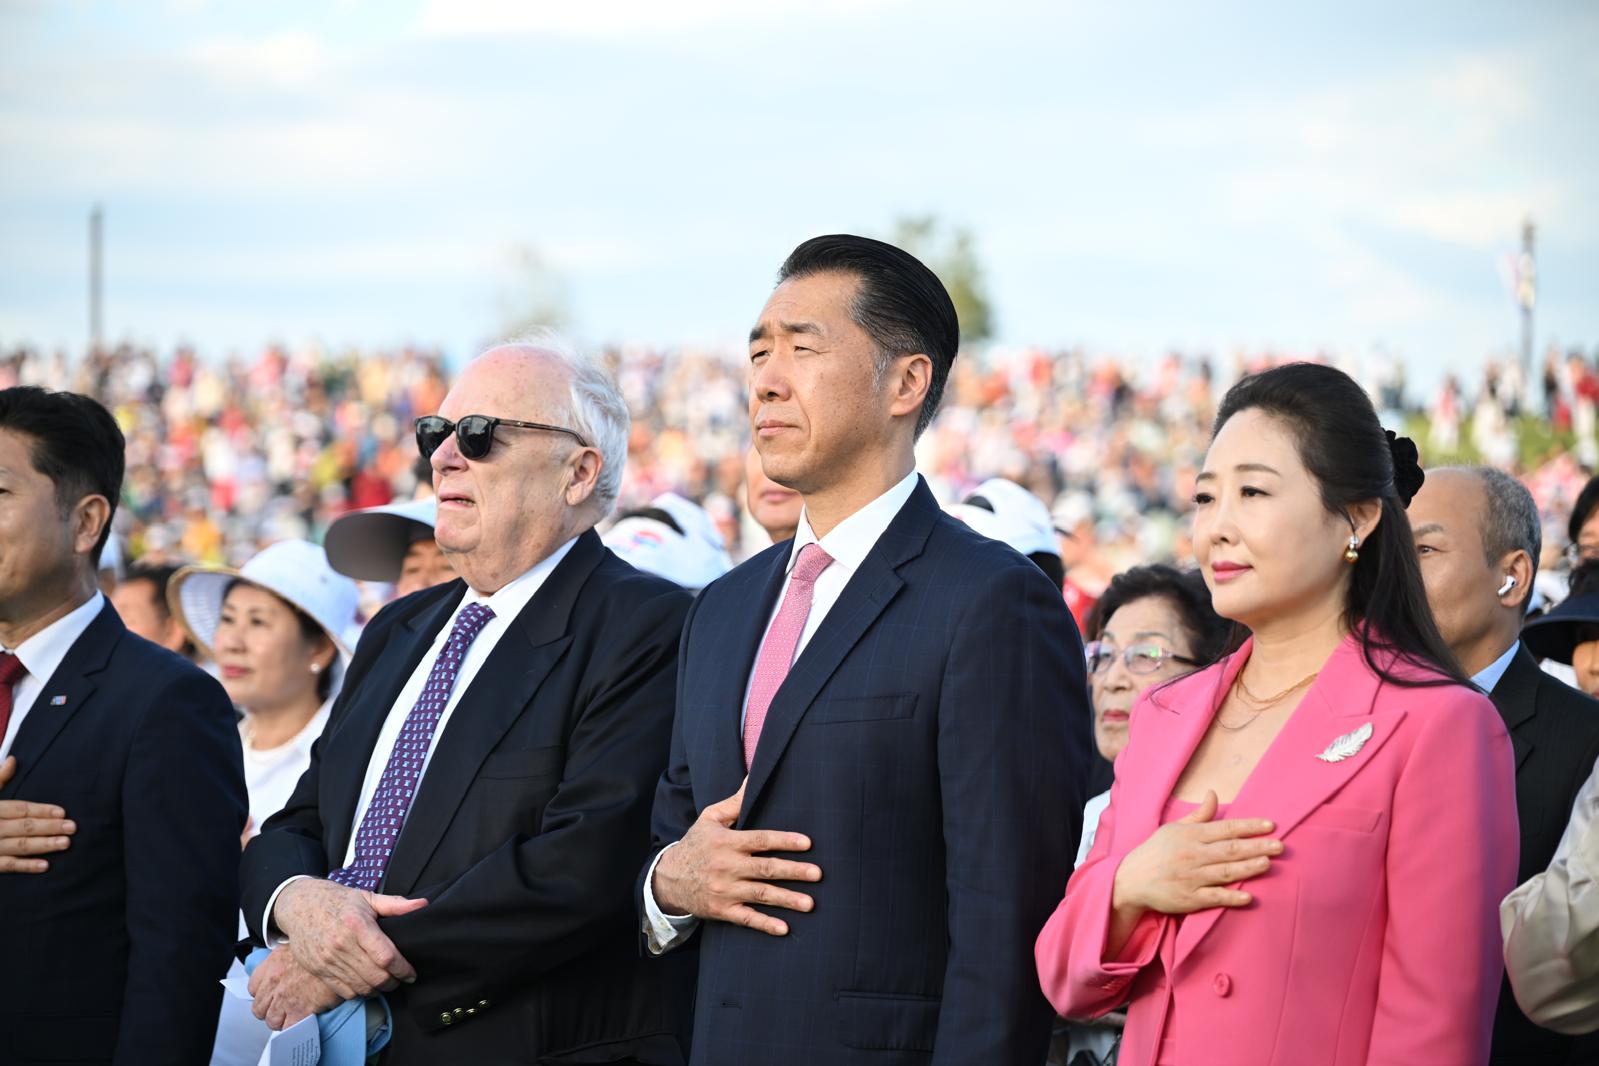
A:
(290, 60)
(496, 18)
(1433, 151)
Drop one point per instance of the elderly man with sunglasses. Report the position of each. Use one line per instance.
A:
(459, 853)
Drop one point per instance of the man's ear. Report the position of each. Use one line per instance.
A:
(909, 379)
(585, 476)
(89, 518)
(1518, 565)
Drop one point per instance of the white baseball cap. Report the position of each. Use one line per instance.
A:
(370, 545)
(296, 571)
(1020, 518)
(692, 558)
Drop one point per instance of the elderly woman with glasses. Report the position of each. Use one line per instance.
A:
(1153, 624)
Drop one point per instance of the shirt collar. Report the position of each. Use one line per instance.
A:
(508, 600)
(1494, 671)
(852, 540)
(42, 653)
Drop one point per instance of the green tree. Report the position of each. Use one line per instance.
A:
(954, 260)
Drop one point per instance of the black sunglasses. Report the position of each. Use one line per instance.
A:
(474, 434)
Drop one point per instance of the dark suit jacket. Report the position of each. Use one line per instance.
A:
(1554, 730)
(114, 953)
(527, 829)
(931, 740)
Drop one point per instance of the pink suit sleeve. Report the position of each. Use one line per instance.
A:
(1452, 852)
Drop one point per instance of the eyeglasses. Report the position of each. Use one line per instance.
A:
(474, 433)
(1581, 553)
(1139, 658)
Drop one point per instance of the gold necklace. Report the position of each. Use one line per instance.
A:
(1261, 705)
(1267, 701)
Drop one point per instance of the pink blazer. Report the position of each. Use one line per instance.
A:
(1374, 939)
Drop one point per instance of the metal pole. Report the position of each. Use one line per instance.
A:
(1527, 294)
(96, 219)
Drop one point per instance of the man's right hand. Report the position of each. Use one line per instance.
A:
(29, 829)
(716, 871)
(333, 934)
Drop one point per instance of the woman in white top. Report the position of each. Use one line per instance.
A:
(1153, 624)
(276, 630)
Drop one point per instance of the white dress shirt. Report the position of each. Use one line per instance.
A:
(848, 544)
(41, 656)
(507, 604)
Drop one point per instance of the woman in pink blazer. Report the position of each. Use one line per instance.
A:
(1306, 843)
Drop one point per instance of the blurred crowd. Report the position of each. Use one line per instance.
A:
(227, 456)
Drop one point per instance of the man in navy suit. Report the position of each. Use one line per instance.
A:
(876, 778)
(121, 786)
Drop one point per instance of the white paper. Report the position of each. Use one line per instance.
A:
(298, 1045)
(238, 988)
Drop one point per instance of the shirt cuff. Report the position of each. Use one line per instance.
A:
(662, 931)
(270, 932)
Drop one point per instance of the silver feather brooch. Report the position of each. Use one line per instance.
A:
(1347, 745)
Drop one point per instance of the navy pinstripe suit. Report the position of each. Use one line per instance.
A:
(932, 740)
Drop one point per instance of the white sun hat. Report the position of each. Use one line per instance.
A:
(693, 558)
(370, 545)
(1020, 518)
(296, 571)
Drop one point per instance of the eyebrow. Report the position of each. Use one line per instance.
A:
(1430, 527)
(760, 332)
(1142, 634)
(1243, 468)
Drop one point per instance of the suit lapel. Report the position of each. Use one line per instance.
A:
(1185, 710)
(1516, 697)
(348, 749)
(864, 598)
(740, 638)
(498, 696)
(1290, 781)
(63, 693)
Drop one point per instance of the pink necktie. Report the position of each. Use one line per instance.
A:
(777, 650)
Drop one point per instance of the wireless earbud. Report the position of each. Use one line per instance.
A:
(1510, 583)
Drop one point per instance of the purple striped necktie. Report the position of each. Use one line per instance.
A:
(385, 814)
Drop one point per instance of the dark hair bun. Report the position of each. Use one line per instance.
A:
(1408, 477)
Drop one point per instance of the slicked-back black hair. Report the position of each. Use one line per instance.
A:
(899, 302)
(74, 442)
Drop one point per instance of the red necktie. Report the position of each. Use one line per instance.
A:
(11, 671)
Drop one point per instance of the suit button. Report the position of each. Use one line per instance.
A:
(483, 1003)
(471, 1010)
(445, 1019)
(1222, 985)
(458, 1012)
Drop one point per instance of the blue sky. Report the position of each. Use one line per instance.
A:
(1137, 175)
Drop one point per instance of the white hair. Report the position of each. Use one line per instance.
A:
(595, 407)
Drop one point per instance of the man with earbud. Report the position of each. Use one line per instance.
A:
(1478, 537)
